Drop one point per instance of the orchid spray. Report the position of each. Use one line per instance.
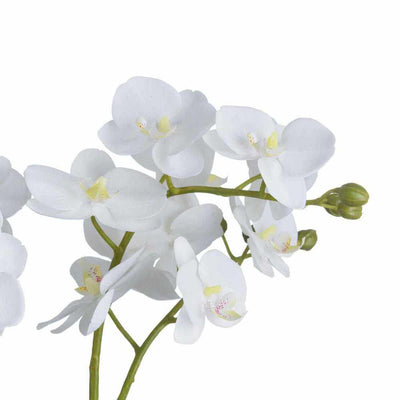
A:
(149, 230)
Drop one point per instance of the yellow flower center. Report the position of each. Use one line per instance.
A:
(272, 141)
(163, 127)
(91, 281)
(98, 191)
(268, 233)
(211, 290)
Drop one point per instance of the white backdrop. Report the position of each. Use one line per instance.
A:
(330, 331)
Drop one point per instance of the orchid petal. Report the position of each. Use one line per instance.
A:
(200, 225)
(142, 97)
(96, 315)
(91, 163)
(13, 193)
(214, 141)
(5, 168)
(12, 304)
(12, 255)
(308, 146)
(56, 189)
(235, 124)
(189, 162)
(184, 253)
(123, 141)
(288, 190)
(135, 202)
(118, 275)
(196, 118)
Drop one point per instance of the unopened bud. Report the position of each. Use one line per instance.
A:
(333, 199)
(349, 212)
(353, 195)
(224, 225)
(307, 239)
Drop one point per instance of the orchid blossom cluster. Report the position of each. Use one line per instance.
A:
(148, 229)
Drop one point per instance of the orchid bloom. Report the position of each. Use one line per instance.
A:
(182, 216)
(118, 197)
(12, 263)
(214, 288)
(285, 156)
(270, 240)
(13, 192)
(160, 127)
(100, 287)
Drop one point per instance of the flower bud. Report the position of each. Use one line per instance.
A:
(307, 239)
(353, 195)
(333, 199)
(224, 225)
(349, 212)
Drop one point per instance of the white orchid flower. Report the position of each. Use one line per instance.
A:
(160, 127)
(12, 263)
(214, 288)
(255, 207)
(285, 155)
(100, 287)
(118, 197)
(13, 192)
(270, 240)
(182, 216)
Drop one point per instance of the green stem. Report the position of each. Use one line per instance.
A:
(98, 334)
(124, 332)
(228, 249)
(219, 191)
(239, 191)
(103, 234)
(95, 364)
(243, 256)
(248, 181)
(130, 378)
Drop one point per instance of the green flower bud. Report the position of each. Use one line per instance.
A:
(333, 199)
(335, 213)
(349, 212)
(307, 239)
(353, 195)
(224, 225)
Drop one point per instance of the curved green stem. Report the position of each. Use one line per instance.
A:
(124, 332)
(243, 256)
(130, 378)
(103, 234)
(228, 249)
(248, 181)
(94, 368)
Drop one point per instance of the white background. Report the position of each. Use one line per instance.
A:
(330, 331)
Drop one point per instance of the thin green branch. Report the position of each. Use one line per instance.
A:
(95, 364)
(130, 378)
(244, 255)
(98, 334)
(219, 191)
(168, 179)
(248, 181)
(124, 332)
(104, 236)
(228, 249)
